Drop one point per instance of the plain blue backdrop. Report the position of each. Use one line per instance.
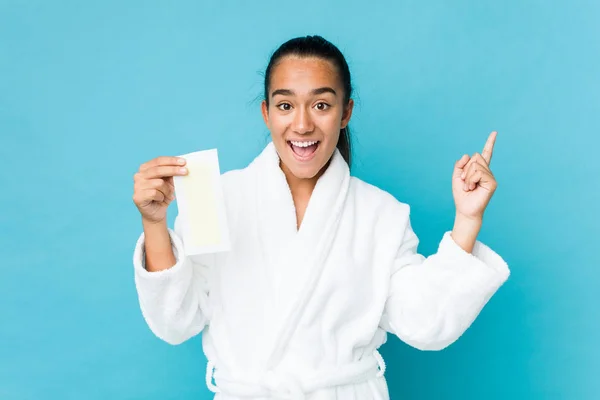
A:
(90, 90)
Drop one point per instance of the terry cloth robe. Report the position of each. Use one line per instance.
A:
(300, 313)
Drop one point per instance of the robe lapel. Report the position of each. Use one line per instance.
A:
(295, 258)
(276, 220)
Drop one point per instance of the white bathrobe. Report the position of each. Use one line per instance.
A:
(300, 313)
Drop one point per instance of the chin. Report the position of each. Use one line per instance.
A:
(304, 172)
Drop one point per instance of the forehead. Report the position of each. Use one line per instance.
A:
(303, 74)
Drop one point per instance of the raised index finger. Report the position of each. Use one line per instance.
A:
(163, 160)
(488, 149)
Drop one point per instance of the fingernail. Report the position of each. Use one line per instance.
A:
(181, 161)
(462, 176)
(183, 170)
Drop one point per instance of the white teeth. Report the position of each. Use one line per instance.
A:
(303, 144)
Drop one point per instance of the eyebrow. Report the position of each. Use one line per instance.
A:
(318, 91)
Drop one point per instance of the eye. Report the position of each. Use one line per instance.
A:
(322, 106)
(284, 106)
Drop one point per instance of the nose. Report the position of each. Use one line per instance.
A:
(302, 122)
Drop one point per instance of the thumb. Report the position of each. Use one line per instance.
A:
(459, 165)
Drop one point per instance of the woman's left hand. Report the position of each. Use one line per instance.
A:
(473, 183)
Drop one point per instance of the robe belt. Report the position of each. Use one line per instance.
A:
(280, 385)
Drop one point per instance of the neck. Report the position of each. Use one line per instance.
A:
(301, 188)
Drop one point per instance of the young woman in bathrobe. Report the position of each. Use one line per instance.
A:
(323, 265)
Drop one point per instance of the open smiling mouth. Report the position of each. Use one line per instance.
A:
(303, 150)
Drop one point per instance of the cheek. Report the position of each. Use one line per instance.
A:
(330, 125)
(278, 124)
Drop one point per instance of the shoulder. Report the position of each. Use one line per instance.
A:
(233, 178)
(380, 206)
(239, 178)
(376, 197)
(235, 183)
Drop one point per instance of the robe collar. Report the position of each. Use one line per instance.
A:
(275, 192)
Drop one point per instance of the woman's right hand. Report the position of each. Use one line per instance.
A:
(153, 188)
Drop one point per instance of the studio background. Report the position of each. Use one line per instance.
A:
(90, 90)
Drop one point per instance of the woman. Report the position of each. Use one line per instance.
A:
(323, 265)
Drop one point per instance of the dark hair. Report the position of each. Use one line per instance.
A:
(316, 46)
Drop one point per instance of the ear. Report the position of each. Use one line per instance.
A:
(265, 112)
(347, 113)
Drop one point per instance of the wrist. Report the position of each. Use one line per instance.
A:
(468, 219)
(154, 225)
(465, 231)
(158, 249)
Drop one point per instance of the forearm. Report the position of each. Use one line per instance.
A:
(433, 300)
(158, 247)
(465, 232)
(172, 291)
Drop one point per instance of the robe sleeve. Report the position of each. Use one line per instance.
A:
(432, 301)
(173, 301)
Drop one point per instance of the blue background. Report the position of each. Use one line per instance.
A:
(90, 90)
